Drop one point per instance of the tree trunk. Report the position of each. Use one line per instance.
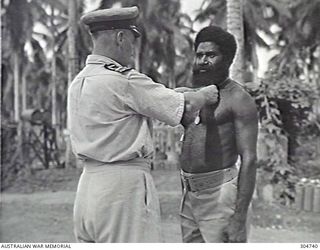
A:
(16, 80)
(316, 81)
(7, 97)
(24, 89)
(317, 112)
(54, 120)
(235, 27)
(53, 75)
(72, 70)
(73, 66)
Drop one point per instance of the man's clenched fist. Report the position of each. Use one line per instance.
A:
(210, 94)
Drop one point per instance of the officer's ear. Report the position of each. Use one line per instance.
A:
(120, 37)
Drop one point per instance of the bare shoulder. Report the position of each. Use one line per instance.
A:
(243, 103)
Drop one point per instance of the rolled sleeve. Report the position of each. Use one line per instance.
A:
(154, 100)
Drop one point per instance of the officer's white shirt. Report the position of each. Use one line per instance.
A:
(110, 110)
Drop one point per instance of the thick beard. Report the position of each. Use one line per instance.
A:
(212, 76)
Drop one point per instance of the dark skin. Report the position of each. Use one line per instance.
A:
(229, 129)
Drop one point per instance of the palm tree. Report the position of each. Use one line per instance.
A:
(19, 19)
(65, 39)
(299, 42)
(257, 18)
(235, 27)
(298, 57)
(18, 25)
(72, 36)
(73, 67)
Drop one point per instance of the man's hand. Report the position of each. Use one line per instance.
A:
(195, 100)
(236, 231)
(210, 93)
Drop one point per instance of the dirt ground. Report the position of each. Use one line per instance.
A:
(38, 208)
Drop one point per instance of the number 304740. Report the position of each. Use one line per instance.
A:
(311, 245)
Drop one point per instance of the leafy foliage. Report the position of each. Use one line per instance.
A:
(294, 77)
(258, 17)
(285, 109)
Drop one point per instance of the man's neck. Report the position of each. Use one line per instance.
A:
(219, 81)
(222, 83)
(107, 53)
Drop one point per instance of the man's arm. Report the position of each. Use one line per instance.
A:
(246, 131)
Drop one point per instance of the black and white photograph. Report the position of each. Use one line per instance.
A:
(160, 121)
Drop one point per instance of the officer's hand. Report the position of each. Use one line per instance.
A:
(210, 94)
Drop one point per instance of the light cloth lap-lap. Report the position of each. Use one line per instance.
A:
(205, 213)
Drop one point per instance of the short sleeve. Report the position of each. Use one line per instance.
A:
(154, 100)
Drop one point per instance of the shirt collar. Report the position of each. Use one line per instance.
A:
(98, 59)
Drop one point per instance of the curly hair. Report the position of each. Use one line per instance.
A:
(226, 41)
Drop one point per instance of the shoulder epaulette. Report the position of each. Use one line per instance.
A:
(113, 67)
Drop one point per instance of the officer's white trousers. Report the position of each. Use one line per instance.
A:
(117, 203)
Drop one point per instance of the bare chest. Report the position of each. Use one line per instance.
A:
(218, 114)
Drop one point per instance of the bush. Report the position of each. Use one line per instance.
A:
(286, 112)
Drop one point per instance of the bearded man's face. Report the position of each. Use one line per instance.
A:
(208, 65)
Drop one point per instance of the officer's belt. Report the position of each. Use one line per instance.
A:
(202, 181)
(94, 165)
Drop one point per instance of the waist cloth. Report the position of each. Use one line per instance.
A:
(207, 204)
(194, 182)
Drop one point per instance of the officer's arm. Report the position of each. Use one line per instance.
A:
(246, 130)
(154, 100)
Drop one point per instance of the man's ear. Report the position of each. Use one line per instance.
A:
(120, 37)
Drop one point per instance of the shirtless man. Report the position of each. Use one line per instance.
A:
(217, 195)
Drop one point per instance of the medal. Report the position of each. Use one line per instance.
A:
(182, 138)
(197, 120)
